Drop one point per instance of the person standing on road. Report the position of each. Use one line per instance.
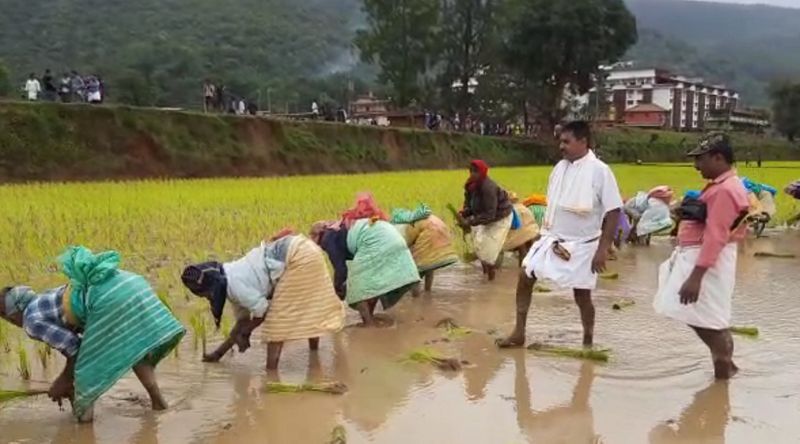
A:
(32, 88)
(584, 205)
(696, 283)
(49, 86)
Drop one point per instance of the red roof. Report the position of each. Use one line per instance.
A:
(646, 108)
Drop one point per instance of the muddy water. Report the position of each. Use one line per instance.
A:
(657, 389)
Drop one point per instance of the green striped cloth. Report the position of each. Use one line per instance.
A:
(405, 216)
(123, 320)
(538, 213)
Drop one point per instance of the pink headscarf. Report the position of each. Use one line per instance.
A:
(364, 208)
(663, 193)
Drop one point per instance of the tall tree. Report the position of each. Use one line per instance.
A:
(558, 45)
(786, 108)
(467, 45)
(400, 37)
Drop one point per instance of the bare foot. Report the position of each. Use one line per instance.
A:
(725, 370)
(313, 344)
(492, 273)
(159, 403)
(514, 341)
(588, 341)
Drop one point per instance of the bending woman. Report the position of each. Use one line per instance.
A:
(105, 322)
(521, 239)
(486, 215)
(284, 283)
(429, 239)
(371, 260)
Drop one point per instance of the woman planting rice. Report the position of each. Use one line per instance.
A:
(429, 239)
(105, 322)
(283, 283)
(486, 214)
(521, 239)
(370, 258)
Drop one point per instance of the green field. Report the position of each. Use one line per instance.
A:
(160, 226)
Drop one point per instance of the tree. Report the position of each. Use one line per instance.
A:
(467, 42)
(5, 81)
(558, 45)
(400, 37)
(786, 108)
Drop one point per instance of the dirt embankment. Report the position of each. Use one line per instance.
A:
(78, 142)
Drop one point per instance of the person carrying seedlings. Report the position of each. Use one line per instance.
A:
(105, 322)
(521, 239)
(429, 239)
(486, 215)
(696, 283)
(370, 258)
(283, 283)
(793, 189)
(583, 211)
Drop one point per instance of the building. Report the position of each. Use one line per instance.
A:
(688, 102)
(647, 115)
(750, 120)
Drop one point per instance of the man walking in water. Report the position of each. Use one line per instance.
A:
(582, 213)
(696, 284)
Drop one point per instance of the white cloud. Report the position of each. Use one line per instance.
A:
(784, 3)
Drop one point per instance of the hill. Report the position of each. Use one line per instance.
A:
(744, 46)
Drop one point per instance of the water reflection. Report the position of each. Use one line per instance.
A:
(704, 420)
(569, 423)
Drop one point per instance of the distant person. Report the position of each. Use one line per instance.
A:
(103, 90)
(93, 90)
(64, 88)
(78, 87)
(32, 88)
(696, 284)
(49, 86)
(241, 107)
(209, 95)
(314, 110)
(220, 100)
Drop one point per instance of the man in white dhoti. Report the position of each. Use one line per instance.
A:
(696, 284)
(584, 205)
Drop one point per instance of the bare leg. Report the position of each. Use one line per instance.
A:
(366, 311)
(583, 298)
(720, 343)
(274, 354)
(147, 376)
(524, 295)
(428, 281)
(415, 292)
(313, 344)
(490, 270)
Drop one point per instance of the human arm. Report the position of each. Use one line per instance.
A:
(239, 335)
(488, 192)
(606, 239)
(63, 386)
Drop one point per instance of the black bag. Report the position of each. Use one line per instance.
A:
(692, 209)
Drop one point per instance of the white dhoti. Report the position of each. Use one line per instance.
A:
(713, 308)
(576, 273)
(489, 239)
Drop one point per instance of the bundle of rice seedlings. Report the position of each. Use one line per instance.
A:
(609, 276)
(8, 395)
(745, 331)
(427, 355)
(198, 324)
(776, 255)
(453, 330)
(623, 303)
(24, 365)
(338, 435)
(602, 355)
(541, 289)
(335, 388)
(43, 351)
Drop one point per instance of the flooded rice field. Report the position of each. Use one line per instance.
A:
(657, 388)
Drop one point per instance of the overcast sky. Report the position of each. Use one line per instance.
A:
(785, 3)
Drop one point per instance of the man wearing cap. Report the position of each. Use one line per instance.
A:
(696, 284)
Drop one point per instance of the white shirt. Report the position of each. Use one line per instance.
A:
(32, 87)
(249, 284)
(571, 226)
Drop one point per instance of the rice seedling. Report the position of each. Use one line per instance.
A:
(23, 364)
(10, 395)
(745, 331)
(334, 388)
(602, 355)
(164, 298)
(453, 330)
(542, 289)
(338, 435)
(198, 324)
(4, 344)
(623, 303)
(766, 254)
(427, 355)
(609, 276)
(43, 351)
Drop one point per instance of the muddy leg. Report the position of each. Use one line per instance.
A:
(524, 295)
(720, 343)
(313, 344)
(491, 271)
(583, 298)
(428, 281)
(365, 311)
(415, 291)
(274, 354)
(147, 376)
